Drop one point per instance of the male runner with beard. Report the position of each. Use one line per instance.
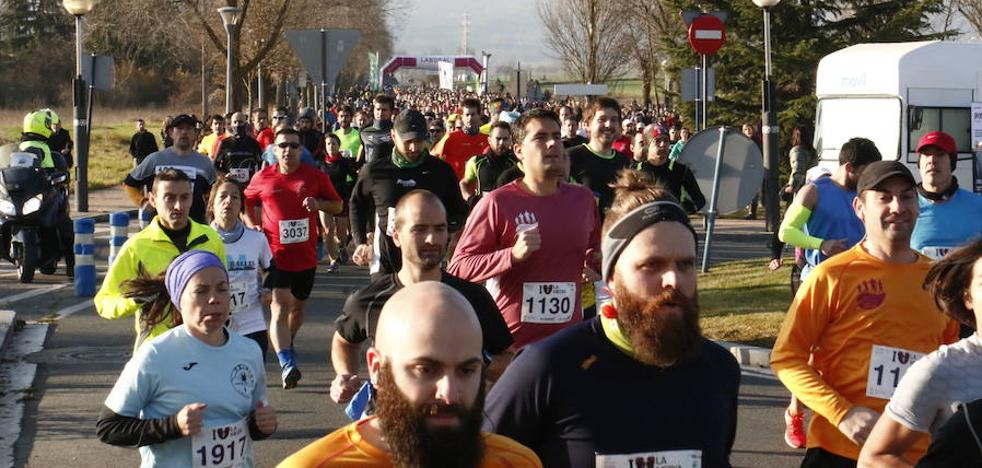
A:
(639, 385)
(426, 368)
(595, 164)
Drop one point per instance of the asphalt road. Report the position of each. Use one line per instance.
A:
(83, 354)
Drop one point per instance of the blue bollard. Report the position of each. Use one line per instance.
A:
(84, 258)
(146, 215)
(119, 226)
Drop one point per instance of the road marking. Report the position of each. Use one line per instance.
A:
(29, 294)
(67, 311)
(18, 375)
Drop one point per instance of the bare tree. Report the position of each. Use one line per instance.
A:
(653, 21)
(589, 37)
(972, 11)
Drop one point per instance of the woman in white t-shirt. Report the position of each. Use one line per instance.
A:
(248, 256)
(195, 395)
(934, 386)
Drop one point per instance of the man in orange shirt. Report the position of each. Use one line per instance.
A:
(866, 319)
(458, 146)
(427, 371)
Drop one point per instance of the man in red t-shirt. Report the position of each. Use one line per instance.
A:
(458, 146)
(260, 123)
(290, 194)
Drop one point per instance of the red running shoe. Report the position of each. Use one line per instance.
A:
(794, 431)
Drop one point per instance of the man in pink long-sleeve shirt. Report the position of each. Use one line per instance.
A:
(531, 239)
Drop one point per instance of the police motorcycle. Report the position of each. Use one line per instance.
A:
(31, 221)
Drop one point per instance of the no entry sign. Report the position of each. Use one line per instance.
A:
(707, 34)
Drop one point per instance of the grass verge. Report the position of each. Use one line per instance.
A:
(742, 301)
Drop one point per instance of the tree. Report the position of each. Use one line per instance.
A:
(652, 21)
(971, 10)
(589, 37)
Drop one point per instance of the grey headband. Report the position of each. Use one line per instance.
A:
(635, 221)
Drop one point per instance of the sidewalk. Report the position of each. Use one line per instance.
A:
(102, 202)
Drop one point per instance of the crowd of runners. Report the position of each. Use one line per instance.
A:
(533, 296)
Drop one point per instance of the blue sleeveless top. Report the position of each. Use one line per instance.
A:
(832, 218)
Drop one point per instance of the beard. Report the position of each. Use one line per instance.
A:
(660, 338)
(412, 443)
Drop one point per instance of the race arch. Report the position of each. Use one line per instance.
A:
(429, 62)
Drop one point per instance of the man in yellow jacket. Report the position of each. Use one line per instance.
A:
(151, 250)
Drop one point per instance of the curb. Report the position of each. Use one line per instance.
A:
(746, 355)
(7, 325)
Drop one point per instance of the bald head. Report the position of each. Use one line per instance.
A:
(239, 118)
(416, 201)
(424, 313)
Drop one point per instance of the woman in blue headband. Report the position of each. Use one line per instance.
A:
(195, 395)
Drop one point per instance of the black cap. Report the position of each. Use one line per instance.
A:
(878, 172)
(183, 119)
(411, 125)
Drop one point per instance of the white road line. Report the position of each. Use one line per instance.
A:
(29, 294)
(67, 311)
(18, 375)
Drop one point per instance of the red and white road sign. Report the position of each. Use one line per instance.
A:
(707, 34)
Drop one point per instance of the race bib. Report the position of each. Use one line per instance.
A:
(238, 290)
(346, 153)
(664, 459)
(390, 222)
(886, 367)
(294, 231)
(548, 302)
(226, 446)
(935, 253)
(240, 174)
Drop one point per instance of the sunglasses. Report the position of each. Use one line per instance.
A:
(290, 145)
(279, 117)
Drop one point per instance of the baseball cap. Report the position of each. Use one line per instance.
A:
(183, 119)
(878, 172)
(411, 125)
(940, 139)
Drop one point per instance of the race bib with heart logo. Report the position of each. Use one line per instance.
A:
(294, 231)
(934, 252)
(227, 446)
(240, 174)
(886, 367)
(548, 302)
(663, 459)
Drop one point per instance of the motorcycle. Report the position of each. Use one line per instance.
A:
(32, 228)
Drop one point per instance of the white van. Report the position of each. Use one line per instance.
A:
(893, 94)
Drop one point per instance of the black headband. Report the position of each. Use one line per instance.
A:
(635, 221)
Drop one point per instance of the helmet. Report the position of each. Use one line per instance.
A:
(55, 120)
(38, 123)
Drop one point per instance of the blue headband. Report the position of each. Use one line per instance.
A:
(185, 266)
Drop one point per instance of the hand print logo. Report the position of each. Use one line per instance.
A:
(871, 294)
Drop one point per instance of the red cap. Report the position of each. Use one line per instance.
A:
(940, 139)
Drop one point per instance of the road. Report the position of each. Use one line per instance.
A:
(77, 357)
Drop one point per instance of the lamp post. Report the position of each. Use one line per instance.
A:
(230, 18)
(80, 8)
(769, 127)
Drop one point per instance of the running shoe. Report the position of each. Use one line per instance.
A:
(333, 267)
(794, 430)
(291, 375)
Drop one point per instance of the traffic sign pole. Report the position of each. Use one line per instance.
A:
(707, 33)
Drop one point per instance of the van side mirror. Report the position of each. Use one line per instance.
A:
(915, 116)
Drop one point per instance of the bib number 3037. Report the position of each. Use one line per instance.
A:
(548, 302)
(886, 367)
(226, 446)
(663, 459)
(294, 231)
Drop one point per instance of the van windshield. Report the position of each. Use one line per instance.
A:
(839, 119)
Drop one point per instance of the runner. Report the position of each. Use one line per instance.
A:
(310, 137)
(376, 140)
(482, 172)
(340, 169)
(864, 319)
(239, 155)
(217, 125)
(638, 386)
(196, 395)
(941, 201)
(673, 175)
(595, 164)
(350, 137)
(532, 239)
(384, 181)
(425, 366)
(260, 125)
(169, 234)
(935, 385)
(290, 193)
(457, 147)
(181, 156)
(249, 257)
(420, 231)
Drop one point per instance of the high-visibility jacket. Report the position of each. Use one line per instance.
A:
(152, 249)
(40, 149)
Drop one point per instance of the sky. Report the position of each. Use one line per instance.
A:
(508, 29)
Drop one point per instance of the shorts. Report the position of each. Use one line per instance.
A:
(301, 283)
(261, 337)
(821, 458)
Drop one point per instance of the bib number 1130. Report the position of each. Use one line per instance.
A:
(548, 302)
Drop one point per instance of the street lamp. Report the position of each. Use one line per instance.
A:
(769, 127)
(230, 18)
(80, 8)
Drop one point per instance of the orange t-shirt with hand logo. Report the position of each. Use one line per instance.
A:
(866, 322)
